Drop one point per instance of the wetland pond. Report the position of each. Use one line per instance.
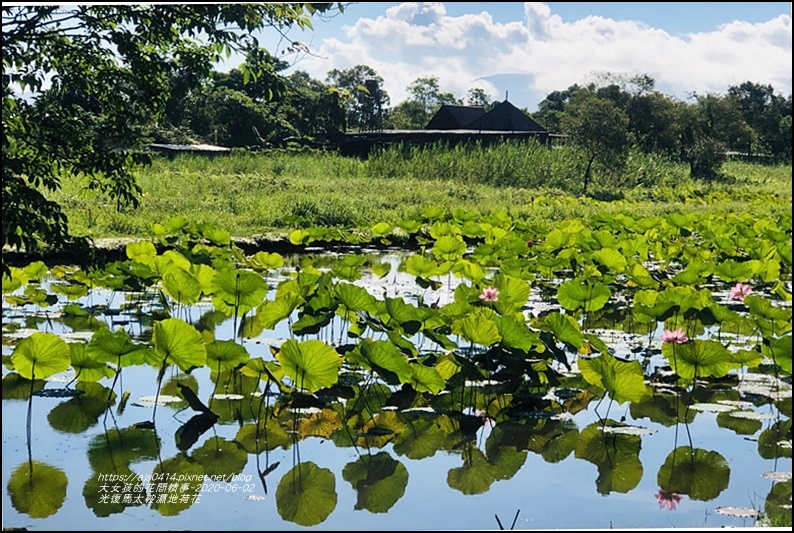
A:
(380, 390)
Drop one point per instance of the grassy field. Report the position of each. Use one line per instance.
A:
(269, 194)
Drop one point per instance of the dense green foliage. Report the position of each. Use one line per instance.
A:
(81, 83)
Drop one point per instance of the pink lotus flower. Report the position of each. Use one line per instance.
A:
(740, 290)
(489, 294)
(667, 499)
(678, 336)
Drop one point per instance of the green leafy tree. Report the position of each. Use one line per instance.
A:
(363, 96)
(763, 111)
(600, 128)
(477, 97)
(81, 81)
(552, 108)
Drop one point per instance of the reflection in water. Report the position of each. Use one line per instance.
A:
(667, 499)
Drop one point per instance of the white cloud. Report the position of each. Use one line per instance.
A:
(419, 39)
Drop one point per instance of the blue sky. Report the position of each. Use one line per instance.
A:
(527, 50)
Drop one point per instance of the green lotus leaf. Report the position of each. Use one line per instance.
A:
(17, 279)
(640, 276)
(267, 260)
(381, 229)
(588, 295)
(216, 235)
(699, 358)
(170, 259)
(762, 308)
(237, 291)
(71, 290)
(405, 314)
(516, 334)
(311, 365)
(177, 342)
(114, 347)
(142, 252)
(300, 236)
(306, 495)
(779, 350)
(40, 355)
(426, 379)
(731, 270)
(512, 290)
(182, 286)
(700, 474)
(37, 489)
(566, 329)
(418, 265)
(747, 358)
(380, 269)
(384, 357)
(558, 239)
(270, 313)
(86, 367)
(466, 269)
(379, 481)
(623, 380)
(612, 259)
(225, 355)
(355, 298)
(449, 248)
(35, 270)
(478, 328)
(740, 426)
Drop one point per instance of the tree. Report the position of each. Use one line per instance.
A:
(598, 127)
(364, 98)
(80, 81)
(763, 111)
(477, 97)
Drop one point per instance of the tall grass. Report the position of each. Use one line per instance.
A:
(253, 194)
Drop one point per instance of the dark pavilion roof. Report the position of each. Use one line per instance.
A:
(504, 117)
(454, 117)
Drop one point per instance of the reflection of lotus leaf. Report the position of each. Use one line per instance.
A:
(221, 457)
(701, 474)
(15, 387)
(184, 468)
(267, 436)
(772, 441)
(778, 504)
(424, 439)
(615, 455)
(740, 425)
(37, 489)
(128, 486)
(306, 495)
(381, 429)
(475, 477)
(82, 412)
(379, 481)
(322, 424)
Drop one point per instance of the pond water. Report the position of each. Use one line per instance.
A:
(715, 454)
